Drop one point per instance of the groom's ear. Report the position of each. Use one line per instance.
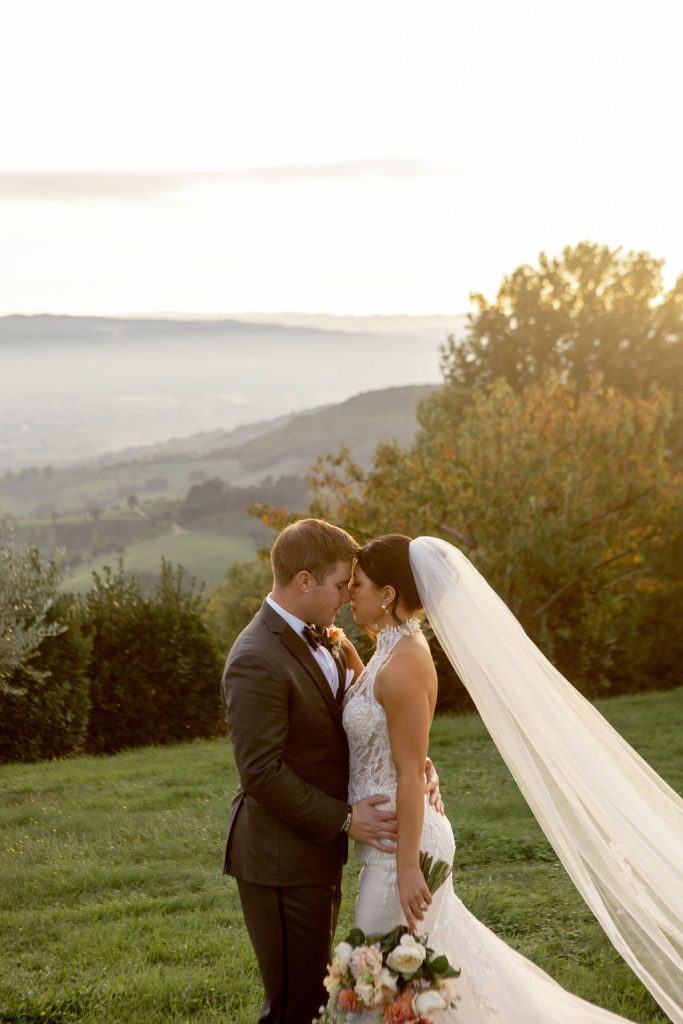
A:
(304, 581)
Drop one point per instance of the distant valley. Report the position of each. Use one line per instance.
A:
(185, 499)
(148, 436)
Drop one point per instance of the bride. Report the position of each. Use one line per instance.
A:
(614, 823)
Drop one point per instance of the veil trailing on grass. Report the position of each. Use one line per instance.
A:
(615, 824)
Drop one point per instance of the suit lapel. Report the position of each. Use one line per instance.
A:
(302, 652)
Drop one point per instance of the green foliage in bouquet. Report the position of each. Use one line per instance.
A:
(435, 871)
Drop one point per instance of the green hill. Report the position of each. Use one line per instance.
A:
(204, 555)
(360, 423)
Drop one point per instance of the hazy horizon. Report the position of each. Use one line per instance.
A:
(65, 397)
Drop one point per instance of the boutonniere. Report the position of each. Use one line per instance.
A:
(333, 642)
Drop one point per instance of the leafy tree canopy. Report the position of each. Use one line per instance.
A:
(590, 311)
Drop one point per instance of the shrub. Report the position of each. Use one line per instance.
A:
(154, 670)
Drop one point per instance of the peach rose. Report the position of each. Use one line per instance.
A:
(336, 634)
(366, 960)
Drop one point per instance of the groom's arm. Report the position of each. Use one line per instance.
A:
(257, 712)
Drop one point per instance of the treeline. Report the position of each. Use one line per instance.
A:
(120, 668)
(215, 496)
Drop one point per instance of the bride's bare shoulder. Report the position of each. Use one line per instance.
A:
(410, 665)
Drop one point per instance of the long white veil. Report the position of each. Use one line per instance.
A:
(614, 823)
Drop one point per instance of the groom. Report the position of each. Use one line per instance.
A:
(290, 822)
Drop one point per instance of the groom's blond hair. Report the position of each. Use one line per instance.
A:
(312, 545)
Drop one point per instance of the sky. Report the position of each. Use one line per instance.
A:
(346, 156)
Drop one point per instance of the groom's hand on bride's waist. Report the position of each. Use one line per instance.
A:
(432, 786)
(371, 825)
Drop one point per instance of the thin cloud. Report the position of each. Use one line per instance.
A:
(99, 186)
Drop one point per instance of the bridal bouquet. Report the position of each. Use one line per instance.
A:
(394, 978)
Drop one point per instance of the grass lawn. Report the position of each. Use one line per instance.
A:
(204, 555)
(113, 908)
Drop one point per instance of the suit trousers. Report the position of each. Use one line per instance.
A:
(291, 929)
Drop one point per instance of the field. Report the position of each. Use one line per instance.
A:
(204, 555)
(113, 908)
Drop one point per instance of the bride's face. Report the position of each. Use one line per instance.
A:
(366, 597)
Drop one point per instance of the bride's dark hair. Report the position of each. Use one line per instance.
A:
(386, 562)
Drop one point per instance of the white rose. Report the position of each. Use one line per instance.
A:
(343, 953)
(407, 957)
(426, 1002)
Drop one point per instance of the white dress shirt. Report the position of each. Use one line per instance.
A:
(321, 654)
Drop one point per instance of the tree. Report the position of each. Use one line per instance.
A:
(28, 588)
(45, 713)
(592, 310)
(208, 496)
(44, 648)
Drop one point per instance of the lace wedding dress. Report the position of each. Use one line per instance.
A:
(496, 985)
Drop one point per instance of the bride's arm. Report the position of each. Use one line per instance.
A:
(350, 653)
(404, 690)
(353, 660)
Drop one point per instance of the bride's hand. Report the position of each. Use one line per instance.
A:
(414, 895)
(352, 656)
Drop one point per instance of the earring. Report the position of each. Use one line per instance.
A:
(383, 607)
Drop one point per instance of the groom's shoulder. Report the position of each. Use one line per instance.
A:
(258, 636)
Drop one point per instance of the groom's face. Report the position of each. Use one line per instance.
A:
(326, 598)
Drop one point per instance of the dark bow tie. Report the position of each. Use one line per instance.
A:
(315, 636)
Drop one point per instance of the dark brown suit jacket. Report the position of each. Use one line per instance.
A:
(292, 757)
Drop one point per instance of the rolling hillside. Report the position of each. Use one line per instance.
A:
(203, 555)
(286, 445)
